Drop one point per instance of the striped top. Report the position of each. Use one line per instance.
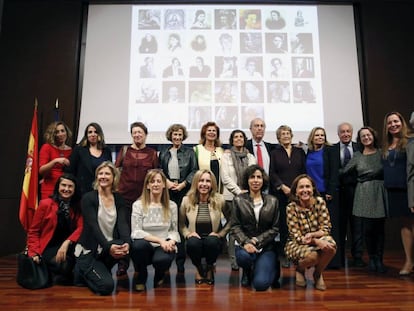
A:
(203, 221)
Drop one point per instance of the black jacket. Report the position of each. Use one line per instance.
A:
(186, 161)
(244, 225)
(81, 166)
(92, 235)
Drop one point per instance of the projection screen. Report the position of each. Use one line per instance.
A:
(288, 64)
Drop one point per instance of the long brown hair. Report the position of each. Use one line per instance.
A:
(294, 198)
(311, 146)
(101, 138)
(387, 137)
(146, 194)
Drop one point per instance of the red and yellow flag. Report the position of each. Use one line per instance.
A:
(28, 200)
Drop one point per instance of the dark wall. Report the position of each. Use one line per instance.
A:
(39, 57)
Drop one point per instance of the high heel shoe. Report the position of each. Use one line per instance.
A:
(300, 279)
(199, 276)
(319, 282)
(406, 270)
(210, 275)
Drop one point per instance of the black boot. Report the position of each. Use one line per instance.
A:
(159, 278)
(372, 265)
(246, 277)
(381, 268)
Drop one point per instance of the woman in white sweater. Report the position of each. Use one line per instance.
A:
(154, 230)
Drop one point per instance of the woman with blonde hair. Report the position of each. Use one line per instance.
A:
(54, 156)
(105, 238)
(317, 141)
(200, 224)
(154, 230)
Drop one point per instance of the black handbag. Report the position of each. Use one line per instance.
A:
(31, 275)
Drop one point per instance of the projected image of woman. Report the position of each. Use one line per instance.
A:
(226, 67)
(200, 70)
(174, 70)
(252, 68)
(252, 92)
(198, 116)
(226, 92)
(200, 20)
(147, 70)
(226, 43)
(174, 19)
(225, 19)
(148, 44)
(174, 42)
(275, 21)
(149, 19)
(278, 92)
(278, 71)
(173, 92)
(199, 43)
(302, 43)
(251, 42)
(303, 92)
(149, 93)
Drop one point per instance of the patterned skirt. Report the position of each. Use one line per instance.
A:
(295, 251)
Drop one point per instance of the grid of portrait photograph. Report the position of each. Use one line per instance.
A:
(222, 63)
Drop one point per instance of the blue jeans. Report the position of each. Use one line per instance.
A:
(263, 265)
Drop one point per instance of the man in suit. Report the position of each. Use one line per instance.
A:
(258, 128)
(340, 196)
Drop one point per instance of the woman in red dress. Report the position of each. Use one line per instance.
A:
(54, 156)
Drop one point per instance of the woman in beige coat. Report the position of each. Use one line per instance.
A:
(200, 219)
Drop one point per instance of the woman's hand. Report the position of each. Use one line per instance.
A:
(36, 259)
(307, 238)
(324, 245)
(250, 248)
(214, 234)
(193, 235)
(62, 161)
(62, 251)
(168, 246)
(119, 251)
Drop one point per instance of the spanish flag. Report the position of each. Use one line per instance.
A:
(28, 200)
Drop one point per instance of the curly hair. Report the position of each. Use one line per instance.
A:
(174, 128)
(50, 133)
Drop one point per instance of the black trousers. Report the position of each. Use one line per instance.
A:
(144, 254)
(346, 203)
(374, 232)
(96, 272)
(207, 247)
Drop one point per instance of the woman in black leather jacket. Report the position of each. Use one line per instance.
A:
(179, 165)
(255, 224)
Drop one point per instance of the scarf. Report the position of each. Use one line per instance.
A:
(240, 163)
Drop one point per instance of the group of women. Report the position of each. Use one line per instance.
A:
(147, 207)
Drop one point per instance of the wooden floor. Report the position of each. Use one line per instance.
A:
(348, 289)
